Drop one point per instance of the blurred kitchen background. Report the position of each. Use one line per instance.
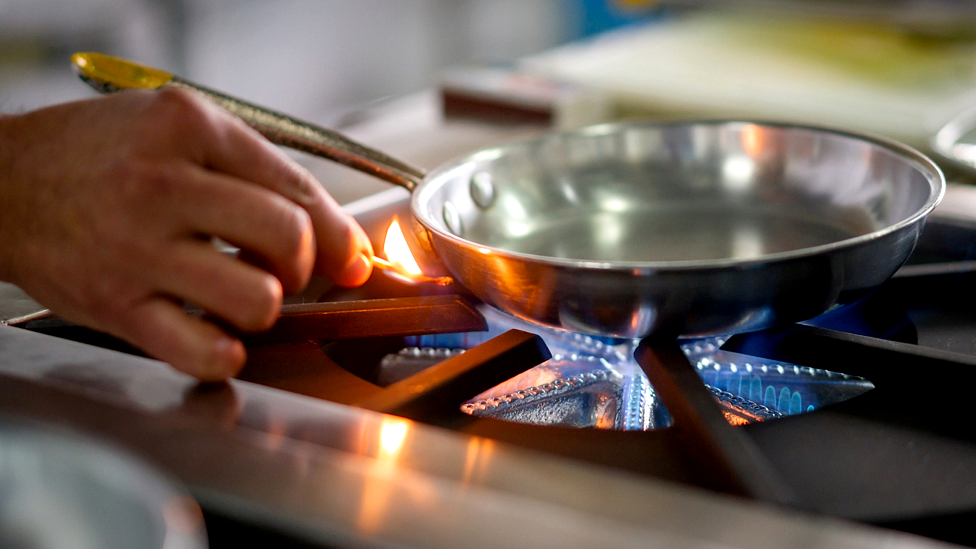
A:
(387, 71)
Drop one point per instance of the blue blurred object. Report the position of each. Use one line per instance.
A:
(596, 16)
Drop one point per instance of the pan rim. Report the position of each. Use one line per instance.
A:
(936, 179)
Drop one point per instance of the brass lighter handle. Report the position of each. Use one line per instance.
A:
(109, 74)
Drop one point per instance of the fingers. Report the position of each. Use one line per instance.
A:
(263, 223)
(244, 296)
(223, 143)
(343, 249)
(242, 152)
(209, 174)
(190, 344)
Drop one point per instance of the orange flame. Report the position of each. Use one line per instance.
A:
(400, 262)
(398, 252)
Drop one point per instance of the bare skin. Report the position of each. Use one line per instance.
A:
(107, 208)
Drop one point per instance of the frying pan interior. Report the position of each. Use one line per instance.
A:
(678, 194)
(667, 223)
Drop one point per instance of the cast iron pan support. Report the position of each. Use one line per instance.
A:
(723, 454)
(886, 363)
(438, 392)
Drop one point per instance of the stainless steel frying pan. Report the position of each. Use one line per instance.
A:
(644, 229)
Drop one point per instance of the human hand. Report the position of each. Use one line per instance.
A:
(108, 206)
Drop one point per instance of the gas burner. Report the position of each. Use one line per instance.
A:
(595, 382)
